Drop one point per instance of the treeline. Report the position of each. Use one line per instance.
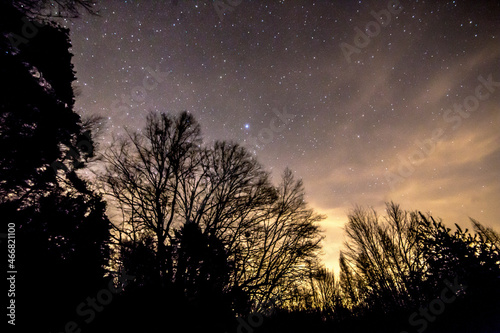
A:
(170, 233)
(202, 228)
(404, 272)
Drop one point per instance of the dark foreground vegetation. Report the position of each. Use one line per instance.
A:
(171, 234)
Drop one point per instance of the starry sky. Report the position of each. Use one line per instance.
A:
(366, 101)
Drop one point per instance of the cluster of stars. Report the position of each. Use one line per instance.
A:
(352, 121)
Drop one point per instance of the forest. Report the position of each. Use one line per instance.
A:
(160, 232)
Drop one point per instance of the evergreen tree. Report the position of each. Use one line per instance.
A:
(62, 230)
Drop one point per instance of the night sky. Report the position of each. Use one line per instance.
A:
(403, 108)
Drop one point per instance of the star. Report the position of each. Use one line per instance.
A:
(400, 86)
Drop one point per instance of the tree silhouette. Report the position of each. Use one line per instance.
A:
(215, 219)
(473, 261)
(382, 260)
(61, 227)
(61, 256)
(203, 229)
(36, 108)
(401, 265)
(48, 10)
(275, 254)
(143, 176)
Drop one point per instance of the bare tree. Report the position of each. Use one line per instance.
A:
(274, 256)
(47, 10)
(487, 235)
(349, 285)
(143, 174)
(322, 293)
(382, 260)
(227, 186)
(163, 179)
